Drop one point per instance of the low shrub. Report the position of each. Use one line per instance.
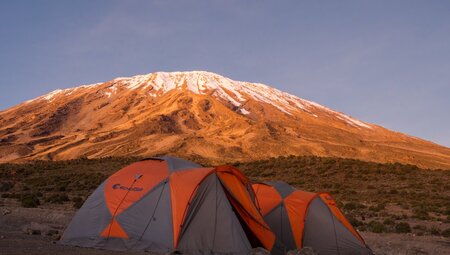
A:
(78, 202)
(353, 206)
(388, 221)
(446, 233)
(420, 227)
(57, 198)
(6, 186)
(376, 227)
(402, 227)
(355, 222)
(30, 201)
(378, 207)
(421, 213)
(435, 231)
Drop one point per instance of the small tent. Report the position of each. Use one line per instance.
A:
(171, 205)
(303, 219)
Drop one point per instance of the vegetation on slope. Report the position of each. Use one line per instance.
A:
(375, 197)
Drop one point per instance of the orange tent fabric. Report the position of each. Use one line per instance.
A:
(182, 193)
(237, 184)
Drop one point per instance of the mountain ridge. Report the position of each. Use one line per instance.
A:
(196, 113)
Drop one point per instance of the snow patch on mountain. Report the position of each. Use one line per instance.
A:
(52, 94)
(233, 92)
(244, 111)
(69, 91)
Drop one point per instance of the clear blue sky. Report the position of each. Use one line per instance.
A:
(384, 62)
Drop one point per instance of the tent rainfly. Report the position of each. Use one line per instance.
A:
(302, 219)
(171, 205)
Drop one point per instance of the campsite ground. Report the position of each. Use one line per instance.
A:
(36, 230)
(398, 209)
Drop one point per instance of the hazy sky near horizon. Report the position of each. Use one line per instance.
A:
(384, 62)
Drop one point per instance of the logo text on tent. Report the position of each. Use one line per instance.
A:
(119, 186)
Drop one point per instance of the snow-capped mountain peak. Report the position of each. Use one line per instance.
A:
(236, 93)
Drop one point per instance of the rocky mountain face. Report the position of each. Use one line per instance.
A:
(196, 114)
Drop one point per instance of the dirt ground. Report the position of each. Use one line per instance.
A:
(36, 231)
(406, 244)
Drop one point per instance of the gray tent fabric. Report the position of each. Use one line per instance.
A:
(280, 225)
(283, 188)
(211, 226)
(147, 221)
(327, 235)
(85, 230)
(177, 164)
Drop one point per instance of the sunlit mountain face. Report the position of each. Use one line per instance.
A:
(196, 114)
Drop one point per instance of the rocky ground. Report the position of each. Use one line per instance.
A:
(37, 230)
(406, 244)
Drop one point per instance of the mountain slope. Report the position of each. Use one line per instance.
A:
(197, 114)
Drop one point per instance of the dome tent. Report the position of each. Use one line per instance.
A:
(304, 219)
(169, 204)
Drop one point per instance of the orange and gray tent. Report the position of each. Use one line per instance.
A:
(302, 219)
(171, 205)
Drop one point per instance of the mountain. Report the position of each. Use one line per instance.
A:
(196, 114)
